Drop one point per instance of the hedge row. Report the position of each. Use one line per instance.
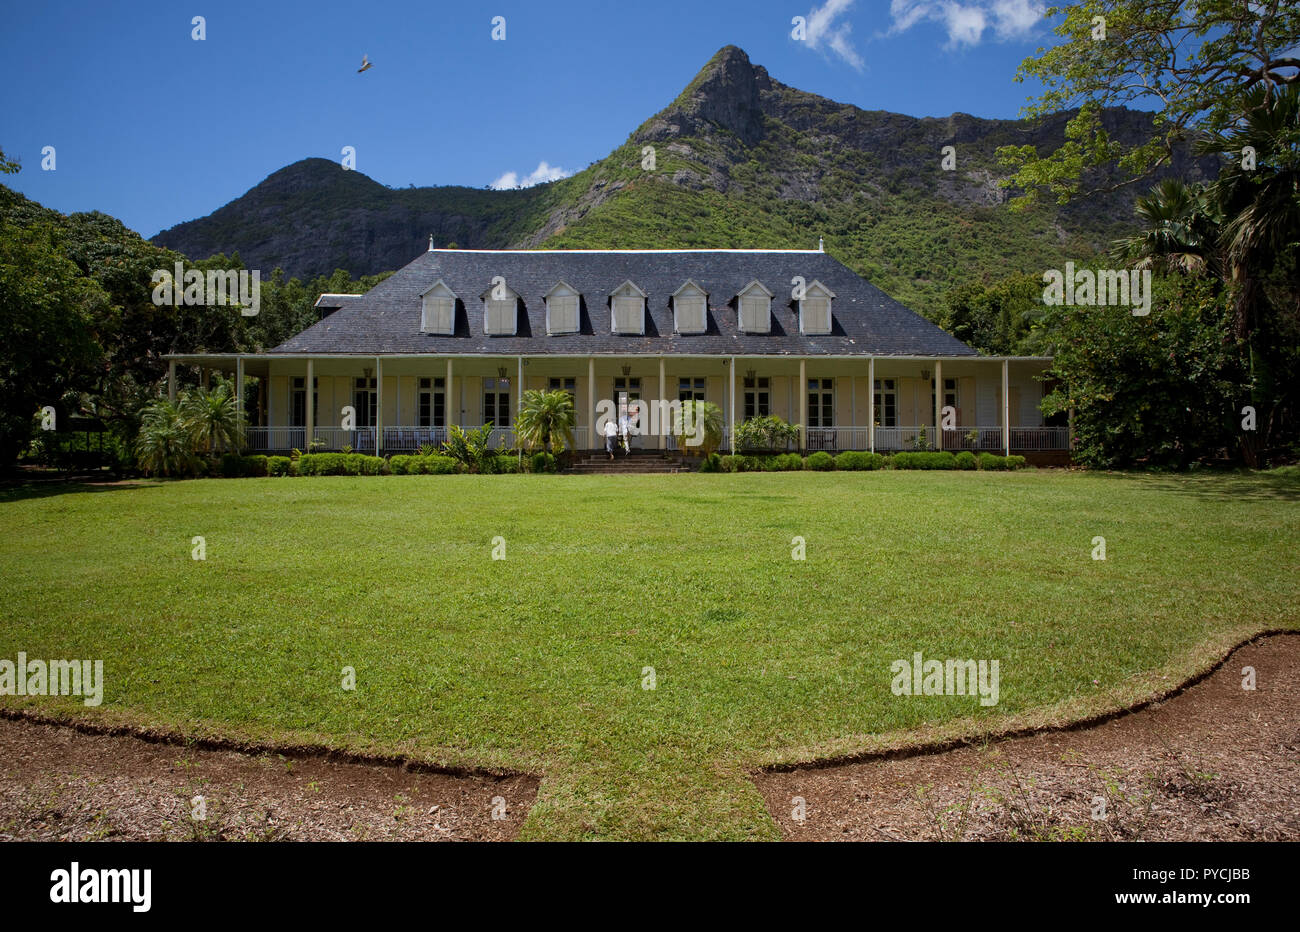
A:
(854, 460)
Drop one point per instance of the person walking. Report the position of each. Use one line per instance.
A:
(625, 425)
(611, 431)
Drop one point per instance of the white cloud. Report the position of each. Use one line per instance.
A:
(966, 23)
(822, 31)
(543, 172)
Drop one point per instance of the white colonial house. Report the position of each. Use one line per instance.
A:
(454, 336)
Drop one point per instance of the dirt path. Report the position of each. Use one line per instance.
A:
(61, 784)
(1216, 762)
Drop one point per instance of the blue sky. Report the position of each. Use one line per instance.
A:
(155, 128)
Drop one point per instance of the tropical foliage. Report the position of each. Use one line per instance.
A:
(546, 420)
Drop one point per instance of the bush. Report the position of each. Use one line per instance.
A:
(542, 462)
(992, 461)
(711, 463)
(857, 460)
(439, 465)
(278, 465)
(733, 463)
(790, 462)
(234, 466)
(821, 461)
(507, 464)
(966, 460)
(925, 460)
(1015, 462)
(320, 464)
(400, 465)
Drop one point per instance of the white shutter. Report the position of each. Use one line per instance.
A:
(501, 316)
(438, 315)
(691, 315)
(756, 314)
(815, 315)
(629, 315)
(562, 314)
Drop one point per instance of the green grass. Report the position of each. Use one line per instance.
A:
(535, 663)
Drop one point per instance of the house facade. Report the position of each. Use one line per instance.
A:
(457, 335)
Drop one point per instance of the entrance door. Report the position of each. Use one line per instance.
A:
(627, 391)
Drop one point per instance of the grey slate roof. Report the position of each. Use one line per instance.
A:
(387, 318)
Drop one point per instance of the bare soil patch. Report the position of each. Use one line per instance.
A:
(1216, 762)
(59, 784)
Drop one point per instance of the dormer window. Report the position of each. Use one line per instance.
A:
(690, 308)
(438, 310)
(815, 309)
(754, 308)
(627, 309)
(562, 309)
(500, 310)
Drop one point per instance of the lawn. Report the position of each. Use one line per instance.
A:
(535, 662)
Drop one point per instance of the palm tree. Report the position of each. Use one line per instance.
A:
(546, 418)
(1261, 203)
(1180, 231)
(212, 417)
(695, 416)
(162, 447)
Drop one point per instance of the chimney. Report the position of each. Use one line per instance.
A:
(430, 242)
(821, 244)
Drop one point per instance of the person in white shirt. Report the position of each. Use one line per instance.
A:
(610, 433)
(624, 425)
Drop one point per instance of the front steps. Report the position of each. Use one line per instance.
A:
(634, 463)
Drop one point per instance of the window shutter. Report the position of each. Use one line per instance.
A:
(815, 315)
(755, 314)
(691, 315)
(562, 314)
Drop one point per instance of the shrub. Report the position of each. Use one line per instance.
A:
(438, 465)
(925, 460)
(733, 463)
(966, 460)
(858, 460)
(278, 465)
(1015, 462)
(542, 462)
(234, 466)
(506, 464)
(992, 461)
(711, 463)
(321, 464)
(821, 461)
(400, 465)
(765, 433)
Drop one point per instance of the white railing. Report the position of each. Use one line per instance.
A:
(275, 438)
(1040, 438)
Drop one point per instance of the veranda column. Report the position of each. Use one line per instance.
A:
(311, 407)
(447, 399)
(938, 403)
(1006, 409)
(591, 402)
(731, 400)
(663, 396)
(518, 411)
(379, 405)
(239, 399)
(871, 403)
(802, 389)
(171, 381)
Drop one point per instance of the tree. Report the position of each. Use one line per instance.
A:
(164, 444)
(212, 418)
(546, 418)
(699, 418)
(48, 350)
(1179, 231)
(1196, 60)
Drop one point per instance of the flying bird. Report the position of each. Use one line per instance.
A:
(365, 63)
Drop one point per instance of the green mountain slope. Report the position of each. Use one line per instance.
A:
(740, 160)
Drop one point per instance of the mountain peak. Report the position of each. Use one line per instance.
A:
(724, 93)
